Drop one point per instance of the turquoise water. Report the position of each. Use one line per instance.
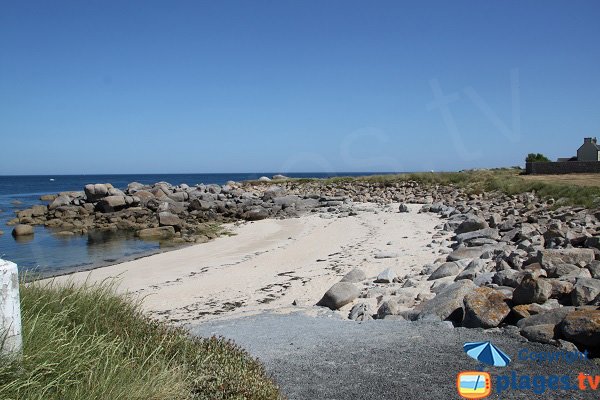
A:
(48, 254)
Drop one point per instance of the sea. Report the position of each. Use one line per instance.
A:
(46, 254)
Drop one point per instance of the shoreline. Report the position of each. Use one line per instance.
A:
(270, 264)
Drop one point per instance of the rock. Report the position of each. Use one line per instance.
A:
(508, 277)
(389, 307)
(65, 233)
(540, 333)
(444, 270)
(552, 257)
(354, 276)
(22, 230)
(474, 268)
(111, 204)
(403, 208)
(556, 271)
(487, 233)
(339, 295)
(472, 223)
(60, 201)
(361, 312)
(48, 197)
(527, 310)
(200, 205)
(532, 290)
(582, 327)
(1, 233)
(163, 232)
(593, 242)
(38, 211)
(179, 196)
(485, 308)
(554, 317)
(256, 214)
(386, 254)
(560, 289)
(585, 291)
(466, 253)
(386, 276)
(95, 192)
(448, 304)
(166, 218)
(264, 179)
(594, 269)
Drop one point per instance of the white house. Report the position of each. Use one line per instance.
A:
(589, 150)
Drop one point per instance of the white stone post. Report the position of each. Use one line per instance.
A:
(10, 309)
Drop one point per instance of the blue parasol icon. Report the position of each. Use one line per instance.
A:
(486, 353)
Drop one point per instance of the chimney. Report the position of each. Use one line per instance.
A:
(589, 140)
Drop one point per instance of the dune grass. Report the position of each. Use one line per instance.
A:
(581, 192)
(89, 343)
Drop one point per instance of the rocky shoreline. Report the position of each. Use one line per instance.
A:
(516, 263)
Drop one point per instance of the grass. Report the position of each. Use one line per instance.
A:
(581, 191)
(89, 343)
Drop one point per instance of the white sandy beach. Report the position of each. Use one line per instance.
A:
(269, 264)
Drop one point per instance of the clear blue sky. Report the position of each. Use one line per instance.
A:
(245, 86)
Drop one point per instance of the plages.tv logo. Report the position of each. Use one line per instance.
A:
(476, 384)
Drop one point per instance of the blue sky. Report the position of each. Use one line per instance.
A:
(287, 86)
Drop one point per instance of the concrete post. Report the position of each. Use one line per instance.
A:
(10, 309)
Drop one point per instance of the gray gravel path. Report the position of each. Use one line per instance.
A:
(328, 358)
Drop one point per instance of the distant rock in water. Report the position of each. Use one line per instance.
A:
(22, 230)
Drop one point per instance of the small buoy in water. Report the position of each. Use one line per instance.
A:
(51, 179)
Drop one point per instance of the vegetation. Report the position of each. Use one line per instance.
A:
(89, 343)
(533, 157)
(582, 192)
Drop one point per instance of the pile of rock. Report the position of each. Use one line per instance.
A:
(512, 261)
(165, 211)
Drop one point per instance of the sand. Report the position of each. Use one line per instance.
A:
(267, 265)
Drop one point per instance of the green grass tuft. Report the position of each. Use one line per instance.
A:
(89, 343)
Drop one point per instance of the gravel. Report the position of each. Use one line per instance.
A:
(325, 357)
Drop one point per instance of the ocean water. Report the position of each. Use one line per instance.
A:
(47, 254)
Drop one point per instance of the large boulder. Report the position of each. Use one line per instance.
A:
(163, 232)
(339, 295)
(354, 276)
(585, 291)
(449, 303)
(549, 258)
(388, 307)
(256, 214)
(95, 192)
(446, 269)
(22, 230)
(486, 233)
(485, 308)
(553, 316)
(471, 223)
(546, 333)
(166, 218)
(582, 327)
(60, 201)
(466, 253)
(532, 290)
(111, 204)
(38, 210)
